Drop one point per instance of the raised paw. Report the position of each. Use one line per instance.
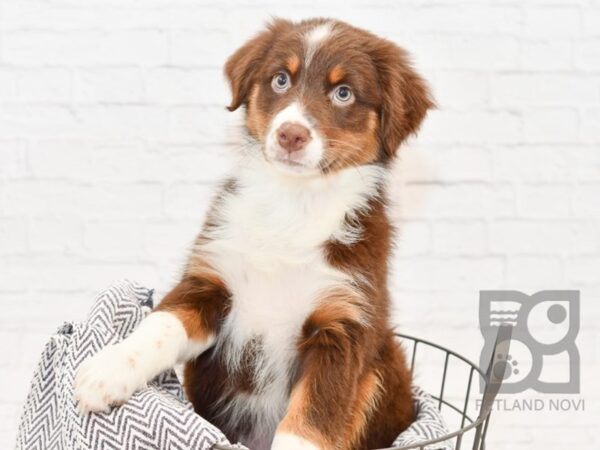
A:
(108, 378)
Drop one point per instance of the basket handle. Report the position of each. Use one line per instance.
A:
(493, 382)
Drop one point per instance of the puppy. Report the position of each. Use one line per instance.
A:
(282, 312)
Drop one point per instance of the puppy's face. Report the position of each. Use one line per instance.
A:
(321, 95)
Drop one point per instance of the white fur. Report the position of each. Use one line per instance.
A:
(288, 441)
(308, 158)
(116, 372)
(269, 252)
(314, 38)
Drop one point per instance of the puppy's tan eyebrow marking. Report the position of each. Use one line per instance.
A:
(293, 64)
(335, 75)
(372, 120)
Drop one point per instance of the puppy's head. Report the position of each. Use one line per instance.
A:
(321, 95)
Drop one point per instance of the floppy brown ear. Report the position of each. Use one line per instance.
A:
(406, 96)
(241, 67)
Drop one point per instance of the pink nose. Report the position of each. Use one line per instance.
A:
(292, 136)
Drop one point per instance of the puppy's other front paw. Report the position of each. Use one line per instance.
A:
(288, 441)
(108, 378)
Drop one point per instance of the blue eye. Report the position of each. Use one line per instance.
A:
(281, 82)
(342, 95)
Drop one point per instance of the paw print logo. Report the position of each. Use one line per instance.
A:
(504, 368)
(545, 326)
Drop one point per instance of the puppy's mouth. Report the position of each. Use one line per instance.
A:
(292, 163)
(288, 162)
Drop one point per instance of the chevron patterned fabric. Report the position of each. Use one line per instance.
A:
(157, 417)
(428, 425)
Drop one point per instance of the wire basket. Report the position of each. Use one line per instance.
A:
(472, 430)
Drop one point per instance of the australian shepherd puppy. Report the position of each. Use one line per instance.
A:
(282, 313)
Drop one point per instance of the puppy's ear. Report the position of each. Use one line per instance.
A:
(242, 67)
(406, 96)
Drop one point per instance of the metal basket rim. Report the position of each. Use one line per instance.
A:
(441, 347)
(462, 430)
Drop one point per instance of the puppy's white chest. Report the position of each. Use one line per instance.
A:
(268, 310)
(271, 298)
(268, 247)
(275, 301)
(269, 250)
(273, 304)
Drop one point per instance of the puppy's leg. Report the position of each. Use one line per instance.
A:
(180, 328)
(335, 393)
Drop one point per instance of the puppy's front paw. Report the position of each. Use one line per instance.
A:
(288, 441)
(108, 378)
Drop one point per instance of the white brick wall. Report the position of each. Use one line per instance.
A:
(112, 129)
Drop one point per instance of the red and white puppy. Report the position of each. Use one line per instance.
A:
(281, 315)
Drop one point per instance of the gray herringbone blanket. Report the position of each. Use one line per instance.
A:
(157, 417)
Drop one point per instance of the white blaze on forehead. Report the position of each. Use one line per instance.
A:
(291, 113)
(315, 37)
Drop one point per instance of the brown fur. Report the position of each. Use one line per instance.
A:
(385, 358)
(351, 388)
(200, 303)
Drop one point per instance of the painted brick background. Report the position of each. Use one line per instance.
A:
(113, 130)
